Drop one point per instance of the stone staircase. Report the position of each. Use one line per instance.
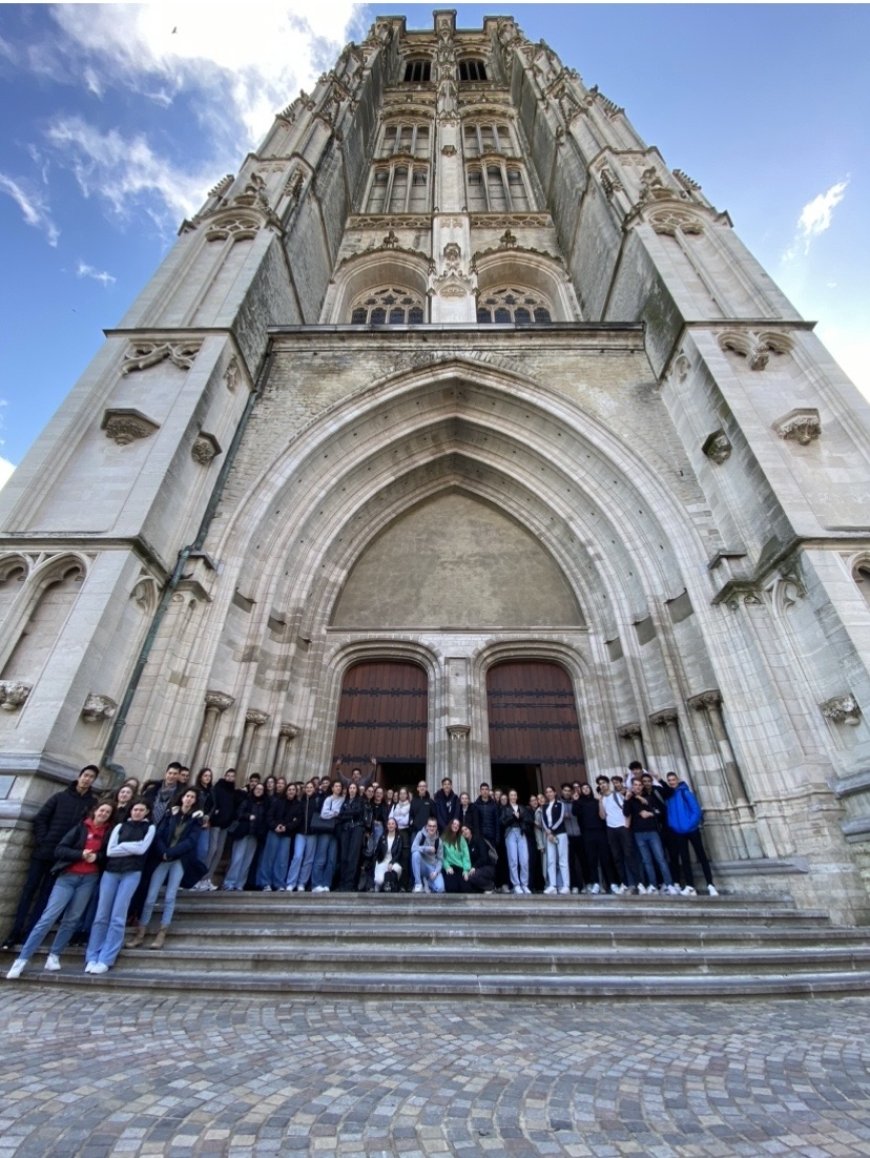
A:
(573, 946)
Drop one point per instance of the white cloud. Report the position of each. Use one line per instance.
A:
(123, 170)
(815, 219)
(100, 275)
(33, 207)
(6, 469)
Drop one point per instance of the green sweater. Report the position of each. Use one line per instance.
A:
(456, 856)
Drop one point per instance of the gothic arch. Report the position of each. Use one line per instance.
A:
(372, 270)
(525, 267)
(29, 634)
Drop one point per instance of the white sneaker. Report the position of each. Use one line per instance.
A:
(211, 888)
(89, 968)
(16, 969)
(266, 889)
(711, 892)
(518, 889)
(417, 889)
(616, 890)
(564, 891)
(527, 891)
(52, 963)
(99, 967)
(300, 888)
(642, 889)
(595, 889)
(575, 890)
(550, 890)
(673, 891)
(688, 891)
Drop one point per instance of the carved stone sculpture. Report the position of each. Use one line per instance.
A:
(98, 708)
(125, 425)
(13, 694)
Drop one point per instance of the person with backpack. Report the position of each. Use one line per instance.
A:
(684, 820)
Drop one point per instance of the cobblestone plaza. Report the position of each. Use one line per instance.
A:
(94, 1074)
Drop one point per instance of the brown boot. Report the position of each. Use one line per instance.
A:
(160, 940)
(138, 938)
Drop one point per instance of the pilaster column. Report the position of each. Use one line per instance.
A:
(457, 756)
(215, 704)
(632, 737)
(286, 733)
(253, 720)
(669, 722)
(710, 703)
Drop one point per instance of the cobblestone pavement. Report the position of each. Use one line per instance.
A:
(90, 1073)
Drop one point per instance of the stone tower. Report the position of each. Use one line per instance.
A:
(459, 429)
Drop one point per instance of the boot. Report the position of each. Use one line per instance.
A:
(138, 938)
(160, 940)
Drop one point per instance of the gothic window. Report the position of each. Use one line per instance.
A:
(399, 188)
(418, 72)
(408, 139)
(48, 616)
(512, 304)
(496, 188)
(861, 575)
(470, 70)
(388, 306)
(488, 138)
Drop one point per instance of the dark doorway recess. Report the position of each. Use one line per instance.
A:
(525, 778)
(533, 720)
(383, 712)
(402, 774)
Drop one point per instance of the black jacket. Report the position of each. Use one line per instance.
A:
(422, 809)
(507, 818)
(57, 816)
(487, 818)
(251, 817)
(226, 803)
(185, 846)
(400, 849)
(446, 808)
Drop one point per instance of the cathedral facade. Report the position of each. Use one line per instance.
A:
(457, 429)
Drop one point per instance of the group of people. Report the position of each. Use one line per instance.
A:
(100, 864)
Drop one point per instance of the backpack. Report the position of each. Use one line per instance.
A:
(684, 811)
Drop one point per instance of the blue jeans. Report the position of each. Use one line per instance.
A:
(427, 872)
(649, 845)
(69, 896)
(557, 862)
(303, 860)
(518, 856)
(240, 862)
(172, 872)
(324, 860)
(107, 931)
(272, 871)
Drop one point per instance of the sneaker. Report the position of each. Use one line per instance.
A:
(527, 891)
(688, 891)
(672, 891)
(52, 963)
(300, 888)
(417, 889)
(266, 889)
(550, 890)
(211, 888)
(642, 889)
(564, 891)
(518, 889)
(575, 891)
(16, 969)
(99, 967)
(89, 967)
(616, 889)
(200, 887)
(712, 892)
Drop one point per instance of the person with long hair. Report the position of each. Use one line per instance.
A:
(78, 860)
(455, 858)
(390, 855)
(305, 842)
(351, 830)
(125, 856)
(515, 821)
(324, 825)
(251, 825)
(175, 840)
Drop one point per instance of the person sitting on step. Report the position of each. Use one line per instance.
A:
(426, 859)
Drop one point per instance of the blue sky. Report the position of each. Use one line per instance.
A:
(118, 119)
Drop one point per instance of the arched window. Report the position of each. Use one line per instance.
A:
(470, 70)
(418, 72)
(405, 138)
(48, 616)
(388, 306)
(861, 575)
(399, 188)
(496, 188)
(488, 138)
(513, 304)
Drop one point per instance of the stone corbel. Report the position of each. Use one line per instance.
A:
(664, 718)
(459, 732)
(125, 425)
(98, 708)
(205, 448)
(628, 731)
(841, 710)
(717, 447)
(802, 425)
(13, 694)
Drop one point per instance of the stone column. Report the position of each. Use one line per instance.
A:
(215, 704)
(457, 756)
(253, 720)
(710, 702)
(633, 736)
(669, 722)
(286, 733)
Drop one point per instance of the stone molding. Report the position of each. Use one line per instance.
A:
(629, 731)
(842, 709)
(755, 346)
(664, 718)
(142, 355)
(802, 425)
(125, 425)
(255, 717)
(220, 701)
(288, 731)
(704, 701)
(13, 694)
(98, 708)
